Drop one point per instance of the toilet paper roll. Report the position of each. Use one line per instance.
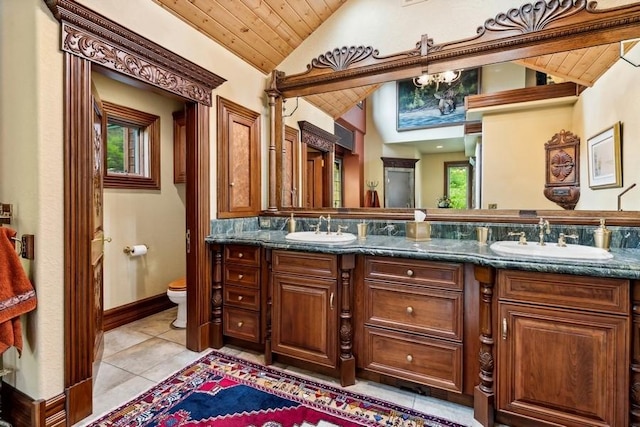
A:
(138, 250)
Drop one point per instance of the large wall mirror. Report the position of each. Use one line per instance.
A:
(569, 32)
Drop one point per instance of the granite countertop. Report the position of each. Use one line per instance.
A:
(624, 264)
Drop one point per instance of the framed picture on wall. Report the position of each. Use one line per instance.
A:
(427, 101)
(604, 152)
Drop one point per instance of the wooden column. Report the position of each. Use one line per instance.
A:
(347, 361)
(275, 129)
(268, 355)
(216, 296)
(634, 380)
(483, 395)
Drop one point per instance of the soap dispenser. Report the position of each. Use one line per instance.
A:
(292, 224)
(602, 236)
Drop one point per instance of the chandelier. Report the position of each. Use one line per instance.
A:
(428, 79)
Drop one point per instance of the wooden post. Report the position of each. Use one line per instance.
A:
(483, 395)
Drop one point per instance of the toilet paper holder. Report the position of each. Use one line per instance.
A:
(129, 249)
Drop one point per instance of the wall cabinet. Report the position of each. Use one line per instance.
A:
(563, 349)
(242, 293)
(413, 321)
(311, 310)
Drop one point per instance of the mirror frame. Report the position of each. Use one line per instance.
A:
(533, 29)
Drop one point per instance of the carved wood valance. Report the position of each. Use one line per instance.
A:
(533, 29)
(397, 162)
(316, 137)
(93, 37)
(562, 185)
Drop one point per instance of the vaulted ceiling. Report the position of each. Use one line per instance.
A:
(265, 32)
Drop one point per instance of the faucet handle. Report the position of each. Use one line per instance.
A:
(340, 228)
(562, 236)
(522, 240)
(315, 227)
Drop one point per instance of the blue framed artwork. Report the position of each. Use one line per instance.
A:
(435, 105)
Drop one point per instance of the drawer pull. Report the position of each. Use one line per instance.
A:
(331, 301)
(504, 328)
(240, 255)
(409, 310)
(240, 297)
(240, 323)
(240, 276)
(409, 358)
(410, 273)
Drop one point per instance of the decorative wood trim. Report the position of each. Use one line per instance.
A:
(346, 295)
(316, 137)
(102, 41)
(483, 405)
(22, 411)
(397, 162)
(533, 29)
(230, 113)
(528, 94)
(634, 380)
(179, 148)
(136, 310)
(291, 138)
(562, 172)
(472, 127)
(217, 340)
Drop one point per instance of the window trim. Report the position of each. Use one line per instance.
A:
(151, 124)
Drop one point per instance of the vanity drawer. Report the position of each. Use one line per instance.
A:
(242, 254)
(241, 275)
(242, 297)
(242, 324)
(428, 273)
(562, 290)
(422, 360)
(308, 264)
(423, 310)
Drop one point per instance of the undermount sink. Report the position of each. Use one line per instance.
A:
(322, 237)
(550, 250)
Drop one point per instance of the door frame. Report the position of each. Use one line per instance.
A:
(82, 31)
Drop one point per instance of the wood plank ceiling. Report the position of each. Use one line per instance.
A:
(264, 32)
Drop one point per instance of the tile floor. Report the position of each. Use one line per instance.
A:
(139, 355)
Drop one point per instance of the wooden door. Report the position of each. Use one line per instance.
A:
(564, 367)
(315, 180)
(97, 231)
(304, 313)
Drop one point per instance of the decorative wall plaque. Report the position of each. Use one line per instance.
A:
(563, 169)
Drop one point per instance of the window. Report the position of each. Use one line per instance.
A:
(337, 182)
(132, 148)
(457, 184)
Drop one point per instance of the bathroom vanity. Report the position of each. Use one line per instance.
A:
(524, 341)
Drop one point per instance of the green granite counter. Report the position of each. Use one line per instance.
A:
(625, 262)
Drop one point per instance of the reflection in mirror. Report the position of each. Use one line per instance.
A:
(458, 184)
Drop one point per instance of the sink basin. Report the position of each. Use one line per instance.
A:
(550, 250)
(322, 237)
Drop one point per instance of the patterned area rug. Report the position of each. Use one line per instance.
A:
(222, 390)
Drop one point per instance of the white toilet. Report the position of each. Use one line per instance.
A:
(177, 293)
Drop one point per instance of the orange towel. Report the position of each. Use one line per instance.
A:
(17, 295)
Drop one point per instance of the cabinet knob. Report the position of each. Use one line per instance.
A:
(409, 310)
(231, 184)
(410, 273)
(240, 297)
(240, 323)
(409, 358)
(240, 255)
(240, 276)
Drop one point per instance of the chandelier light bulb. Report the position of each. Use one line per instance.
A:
(445, 77)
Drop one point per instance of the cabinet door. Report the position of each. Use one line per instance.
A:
(305, 318)
(561, 366)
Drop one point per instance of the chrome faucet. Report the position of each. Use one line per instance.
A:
(543, 224)
(328, 220)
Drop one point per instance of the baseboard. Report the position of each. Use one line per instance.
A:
(136, 310)
(22, 411)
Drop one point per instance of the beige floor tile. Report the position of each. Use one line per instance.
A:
(178, 336)
(146, 355)
(172, 365)
(121, 338)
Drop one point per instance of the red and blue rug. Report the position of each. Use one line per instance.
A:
(222, 390)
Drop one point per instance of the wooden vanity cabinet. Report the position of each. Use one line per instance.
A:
(562, 349)
(413, 321)
(310, 307)
(242, 293)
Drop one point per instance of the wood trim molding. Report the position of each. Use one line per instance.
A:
(22, 411)
(396, 162)
(528, 94)
(136, 310)
(97, 39)
(316, 137)
(532, 29)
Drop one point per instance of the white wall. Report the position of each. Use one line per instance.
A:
(433, 176)
(155, 218)
(31, 178)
